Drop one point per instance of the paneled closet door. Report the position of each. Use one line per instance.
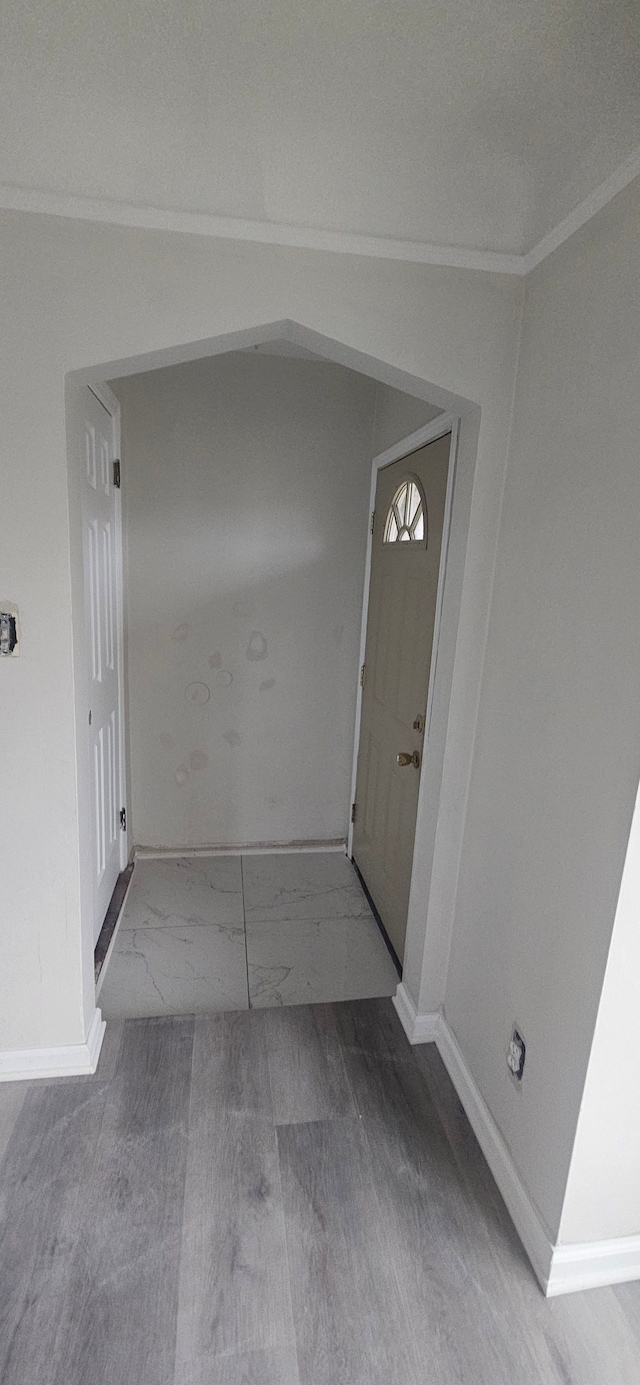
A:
(101, 550)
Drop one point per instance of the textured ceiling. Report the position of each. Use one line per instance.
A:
(473, 123)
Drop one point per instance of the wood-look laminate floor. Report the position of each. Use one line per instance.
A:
(273, 1197)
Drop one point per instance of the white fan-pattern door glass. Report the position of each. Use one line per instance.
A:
(99, 518)
(406, 516)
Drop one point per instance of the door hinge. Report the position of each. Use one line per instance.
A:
(363, 674)
(123, 819)
(116, 474)
(373, 520)
(353, 812)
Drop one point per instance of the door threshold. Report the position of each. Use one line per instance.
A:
(107, 932)
(390, 948)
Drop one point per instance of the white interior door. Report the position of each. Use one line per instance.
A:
(403, 591)
(101, 541)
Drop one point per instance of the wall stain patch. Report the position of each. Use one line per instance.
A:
(197, 694)
(336, 634)
(232, 737)
(181, 776)
(198, 760)
(224, 678)
(267, 683)
(257, 646)
(181, 632)
(167, 742)
(215, 660)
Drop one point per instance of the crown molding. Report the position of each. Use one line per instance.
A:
(615, 183)
(19, 199)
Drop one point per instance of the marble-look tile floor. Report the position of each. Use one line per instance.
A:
(215, 933)
(274, 1197)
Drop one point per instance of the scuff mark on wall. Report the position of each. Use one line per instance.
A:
(198, 760)
(232, 737)
(224, 678)
(181, 632)
(336, 634)
(197, 694)
(167, 742)
(215, 660)
(257, 646)
(267, 683)
(181, 776)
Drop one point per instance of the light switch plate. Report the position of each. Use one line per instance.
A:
(9, 631)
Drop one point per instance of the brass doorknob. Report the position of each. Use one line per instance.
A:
(405, 758)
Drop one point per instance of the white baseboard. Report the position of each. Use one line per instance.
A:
(419, 1029)
(593, 1265)
(531, 1229)
(561, 1269)
(149, 853)
(70, 1060)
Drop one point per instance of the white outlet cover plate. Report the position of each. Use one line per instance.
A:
(8, 608)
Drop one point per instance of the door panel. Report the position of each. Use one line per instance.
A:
(400, 626)
(100, 518)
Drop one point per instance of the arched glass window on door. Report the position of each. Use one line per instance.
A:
(407, 517)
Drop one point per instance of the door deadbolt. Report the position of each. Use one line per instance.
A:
(418, 724)
(405, 758)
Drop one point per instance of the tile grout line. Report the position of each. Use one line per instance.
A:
(244, 925)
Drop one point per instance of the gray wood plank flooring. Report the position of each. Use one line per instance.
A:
(308, 1075)
(252, 1368)
(12, 1095)
(48, 1156)
(234, 1280)
(118, 1319)
(351, 1326)
(274, 1197)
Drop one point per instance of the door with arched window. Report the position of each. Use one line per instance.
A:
(405, 564)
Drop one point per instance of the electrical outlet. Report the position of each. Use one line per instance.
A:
(9, 633)
(516, 1053)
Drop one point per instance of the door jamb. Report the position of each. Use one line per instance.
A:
(112, 405)
(444, 423)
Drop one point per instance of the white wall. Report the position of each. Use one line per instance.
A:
(603, 1192)
(396, 416)
(78, 294)
(557, 756)
(246, 486)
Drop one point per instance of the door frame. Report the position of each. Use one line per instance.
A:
(480, 465)
(437, 428)
(107, 398)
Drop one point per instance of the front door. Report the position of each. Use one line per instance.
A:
(101, 552)
(405, 564)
